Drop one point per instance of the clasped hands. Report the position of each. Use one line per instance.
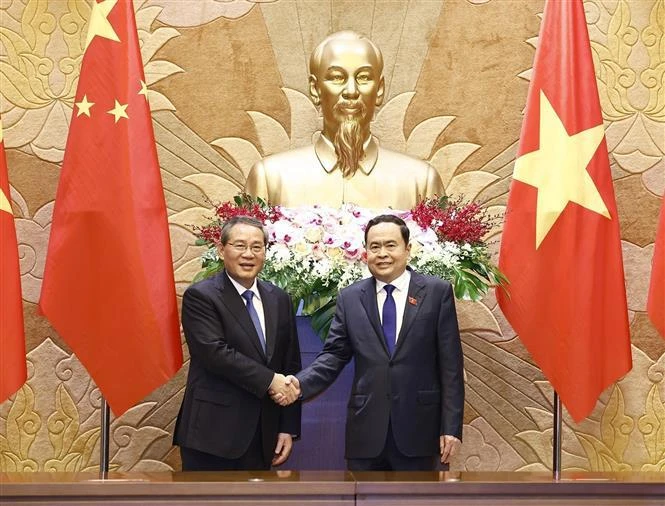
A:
(284, 390)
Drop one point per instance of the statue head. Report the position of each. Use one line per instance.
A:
(346, 81)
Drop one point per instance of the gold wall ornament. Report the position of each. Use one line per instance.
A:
(43, 43)
(21, 427)
(630, 66)
(186, 13)
(624, 432)
(232, 87)
(72, 449)
(652, 78)
(53, 422)
(652, 427)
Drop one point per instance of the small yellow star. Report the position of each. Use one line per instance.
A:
(84, 106)
(119, 111)
(99, 24)
(144, 90)
(558, 169)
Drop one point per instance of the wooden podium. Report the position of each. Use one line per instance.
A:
(332, 488)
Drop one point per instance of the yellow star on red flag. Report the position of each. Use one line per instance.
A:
(144, 90)
(110, 198)
(99, 25)
(84, 107)
(4, 203)
(561, 244)
(558, 169)
(119, 111)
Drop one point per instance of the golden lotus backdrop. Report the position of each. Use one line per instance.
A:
(228, 85)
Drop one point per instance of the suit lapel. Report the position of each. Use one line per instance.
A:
(368, 300)
(414, 302)
(234, 303)
(270, 313)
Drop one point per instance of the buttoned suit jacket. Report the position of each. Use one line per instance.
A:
(419, 389)
(229, 372)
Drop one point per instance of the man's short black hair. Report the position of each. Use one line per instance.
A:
(389, 218)
(245, 220)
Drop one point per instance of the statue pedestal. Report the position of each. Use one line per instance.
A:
(322, 436)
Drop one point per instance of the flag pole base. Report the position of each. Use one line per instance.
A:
(556, 438)
(105, 423)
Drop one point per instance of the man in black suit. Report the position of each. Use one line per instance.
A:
(239, 331)
(407, 399)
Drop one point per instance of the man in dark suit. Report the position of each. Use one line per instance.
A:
(239, 331)
(407, 399)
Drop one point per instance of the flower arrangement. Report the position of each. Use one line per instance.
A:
(316, 251)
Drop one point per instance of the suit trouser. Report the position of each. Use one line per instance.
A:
(252, 460)
(391, 459)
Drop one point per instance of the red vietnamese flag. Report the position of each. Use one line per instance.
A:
(561, 248)
(656, 301)
(108, 283)
(12, 335)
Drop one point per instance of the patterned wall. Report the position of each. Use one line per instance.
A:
(228, 85)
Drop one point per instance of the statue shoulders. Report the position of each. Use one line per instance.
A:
(291, 160)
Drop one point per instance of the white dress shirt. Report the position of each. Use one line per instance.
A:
(400, 293)
(256, 301)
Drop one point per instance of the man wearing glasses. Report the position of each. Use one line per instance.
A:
(241, 334)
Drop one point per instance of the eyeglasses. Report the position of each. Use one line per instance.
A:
(241, 247)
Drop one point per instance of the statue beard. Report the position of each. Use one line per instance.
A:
(349, 138)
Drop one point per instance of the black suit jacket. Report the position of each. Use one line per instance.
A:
(229, 373)
(420, 389)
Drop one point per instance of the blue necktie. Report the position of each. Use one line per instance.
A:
(389, 323)
(248, 295)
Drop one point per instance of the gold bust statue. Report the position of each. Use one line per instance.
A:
(345, 163)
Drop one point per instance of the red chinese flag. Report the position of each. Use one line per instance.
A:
(12, 335)
(656, 301)
(108, 282)
(561, 248)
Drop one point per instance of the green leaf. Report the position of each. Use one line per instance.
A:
(208, 272)
(322, 319)
(313, 302)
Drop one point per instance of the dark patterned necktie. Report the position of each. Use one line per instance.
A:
(248, 295)
(389, 323)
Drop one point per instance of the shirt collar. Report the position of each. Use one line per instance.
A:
(241, 289)
(401, 283)
(325, 152)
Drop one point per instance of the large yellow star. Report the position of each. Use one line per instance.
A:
(119, 111)
(99, 24)
(4, 203)
(84, 106)
(558, 169)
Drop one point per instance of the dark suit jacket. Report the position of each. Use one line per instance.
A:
(420, 389)
(229, 373)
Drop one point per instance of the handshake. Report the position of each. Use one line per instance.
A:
(284, 390)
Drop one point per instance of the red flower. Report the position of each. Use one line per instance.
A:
(242, 205)
(452, 220)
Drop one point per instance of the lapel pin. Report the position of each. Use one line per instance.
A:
(413, 301)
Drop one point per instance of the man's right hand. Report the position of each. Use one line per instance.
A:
(284, 390)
